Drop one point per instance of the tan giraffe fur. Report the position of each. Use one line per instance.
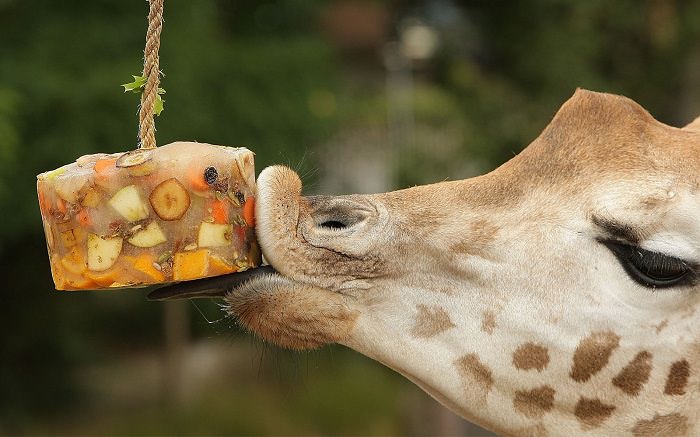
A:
(695, 125)
(493, 294)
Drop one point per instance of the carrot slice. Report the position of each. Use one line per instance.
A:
(240, 231)
(44, 203)
(103, 168)
(220, 210)
(84, 218)
(103, 164)
(249, 212)
(196, 177)
(61, 205)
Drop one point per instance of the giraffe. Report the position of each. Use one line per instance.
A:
(556, 295)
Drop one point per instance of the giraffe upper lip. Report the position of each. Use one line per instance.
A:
(216, 286)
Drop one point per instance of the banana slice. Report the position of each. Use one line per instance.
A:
(170, 200)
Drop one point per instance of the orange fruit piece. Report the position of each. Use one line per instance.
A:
(190, 265)
(144, 264)
(74, 261)
(107, 277)
(219, 266)
(79, 283)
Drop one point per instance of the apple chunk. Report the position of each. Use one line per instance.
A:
(149, 236)
(214, 234)
(92, 198)
(70, 237)
(170, 200)
(102, 252)
(69, 185)
(127, 202)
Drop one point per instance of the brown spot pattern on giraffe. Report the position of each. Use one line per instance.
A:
(677, 378)
(481, 234)
(592, 354)
(477, 379)
(488, 322)
(534, 403)
(670, 425)
(530, 356)
(661, 326)
(592, 412)
(634, 375)
(430, 321)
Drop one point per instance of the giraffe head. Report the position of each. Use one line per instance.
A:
(555, 294)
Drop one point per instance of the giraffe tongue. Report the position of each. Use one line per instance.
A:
(216, 286)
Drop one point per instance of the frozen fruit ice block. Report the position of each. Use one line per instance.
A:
(178, 212)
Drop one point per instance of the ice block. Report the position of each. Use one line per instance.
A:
(178, 212)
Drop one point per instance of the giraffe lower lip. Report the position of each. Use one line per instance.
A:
(216, 286)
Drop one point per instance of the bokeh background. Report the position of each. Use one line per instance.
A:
(359, 96)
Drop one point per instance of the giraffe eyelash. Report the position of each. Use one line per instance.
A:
(652, 269)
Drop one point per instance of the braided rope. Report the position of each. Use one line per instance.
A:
(151, 71)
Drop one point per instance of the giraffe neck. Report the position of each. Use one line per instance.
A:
(486, 365)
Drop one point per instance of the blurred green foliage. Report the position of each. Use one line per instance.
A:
(524, 59)
(265, 75)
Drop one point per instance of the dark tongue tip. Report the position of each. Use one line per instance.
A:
(216, 286)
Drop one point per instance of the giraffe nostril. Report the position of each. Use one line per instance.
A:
(336, 216)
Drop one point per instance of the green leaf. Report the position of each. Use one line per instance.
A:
(136, 85)
(158, 105)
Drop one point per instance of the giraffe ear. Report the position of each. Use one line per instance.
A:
(695, 125)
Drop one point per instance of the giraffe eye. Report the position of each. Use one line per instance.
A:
(651, 269)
